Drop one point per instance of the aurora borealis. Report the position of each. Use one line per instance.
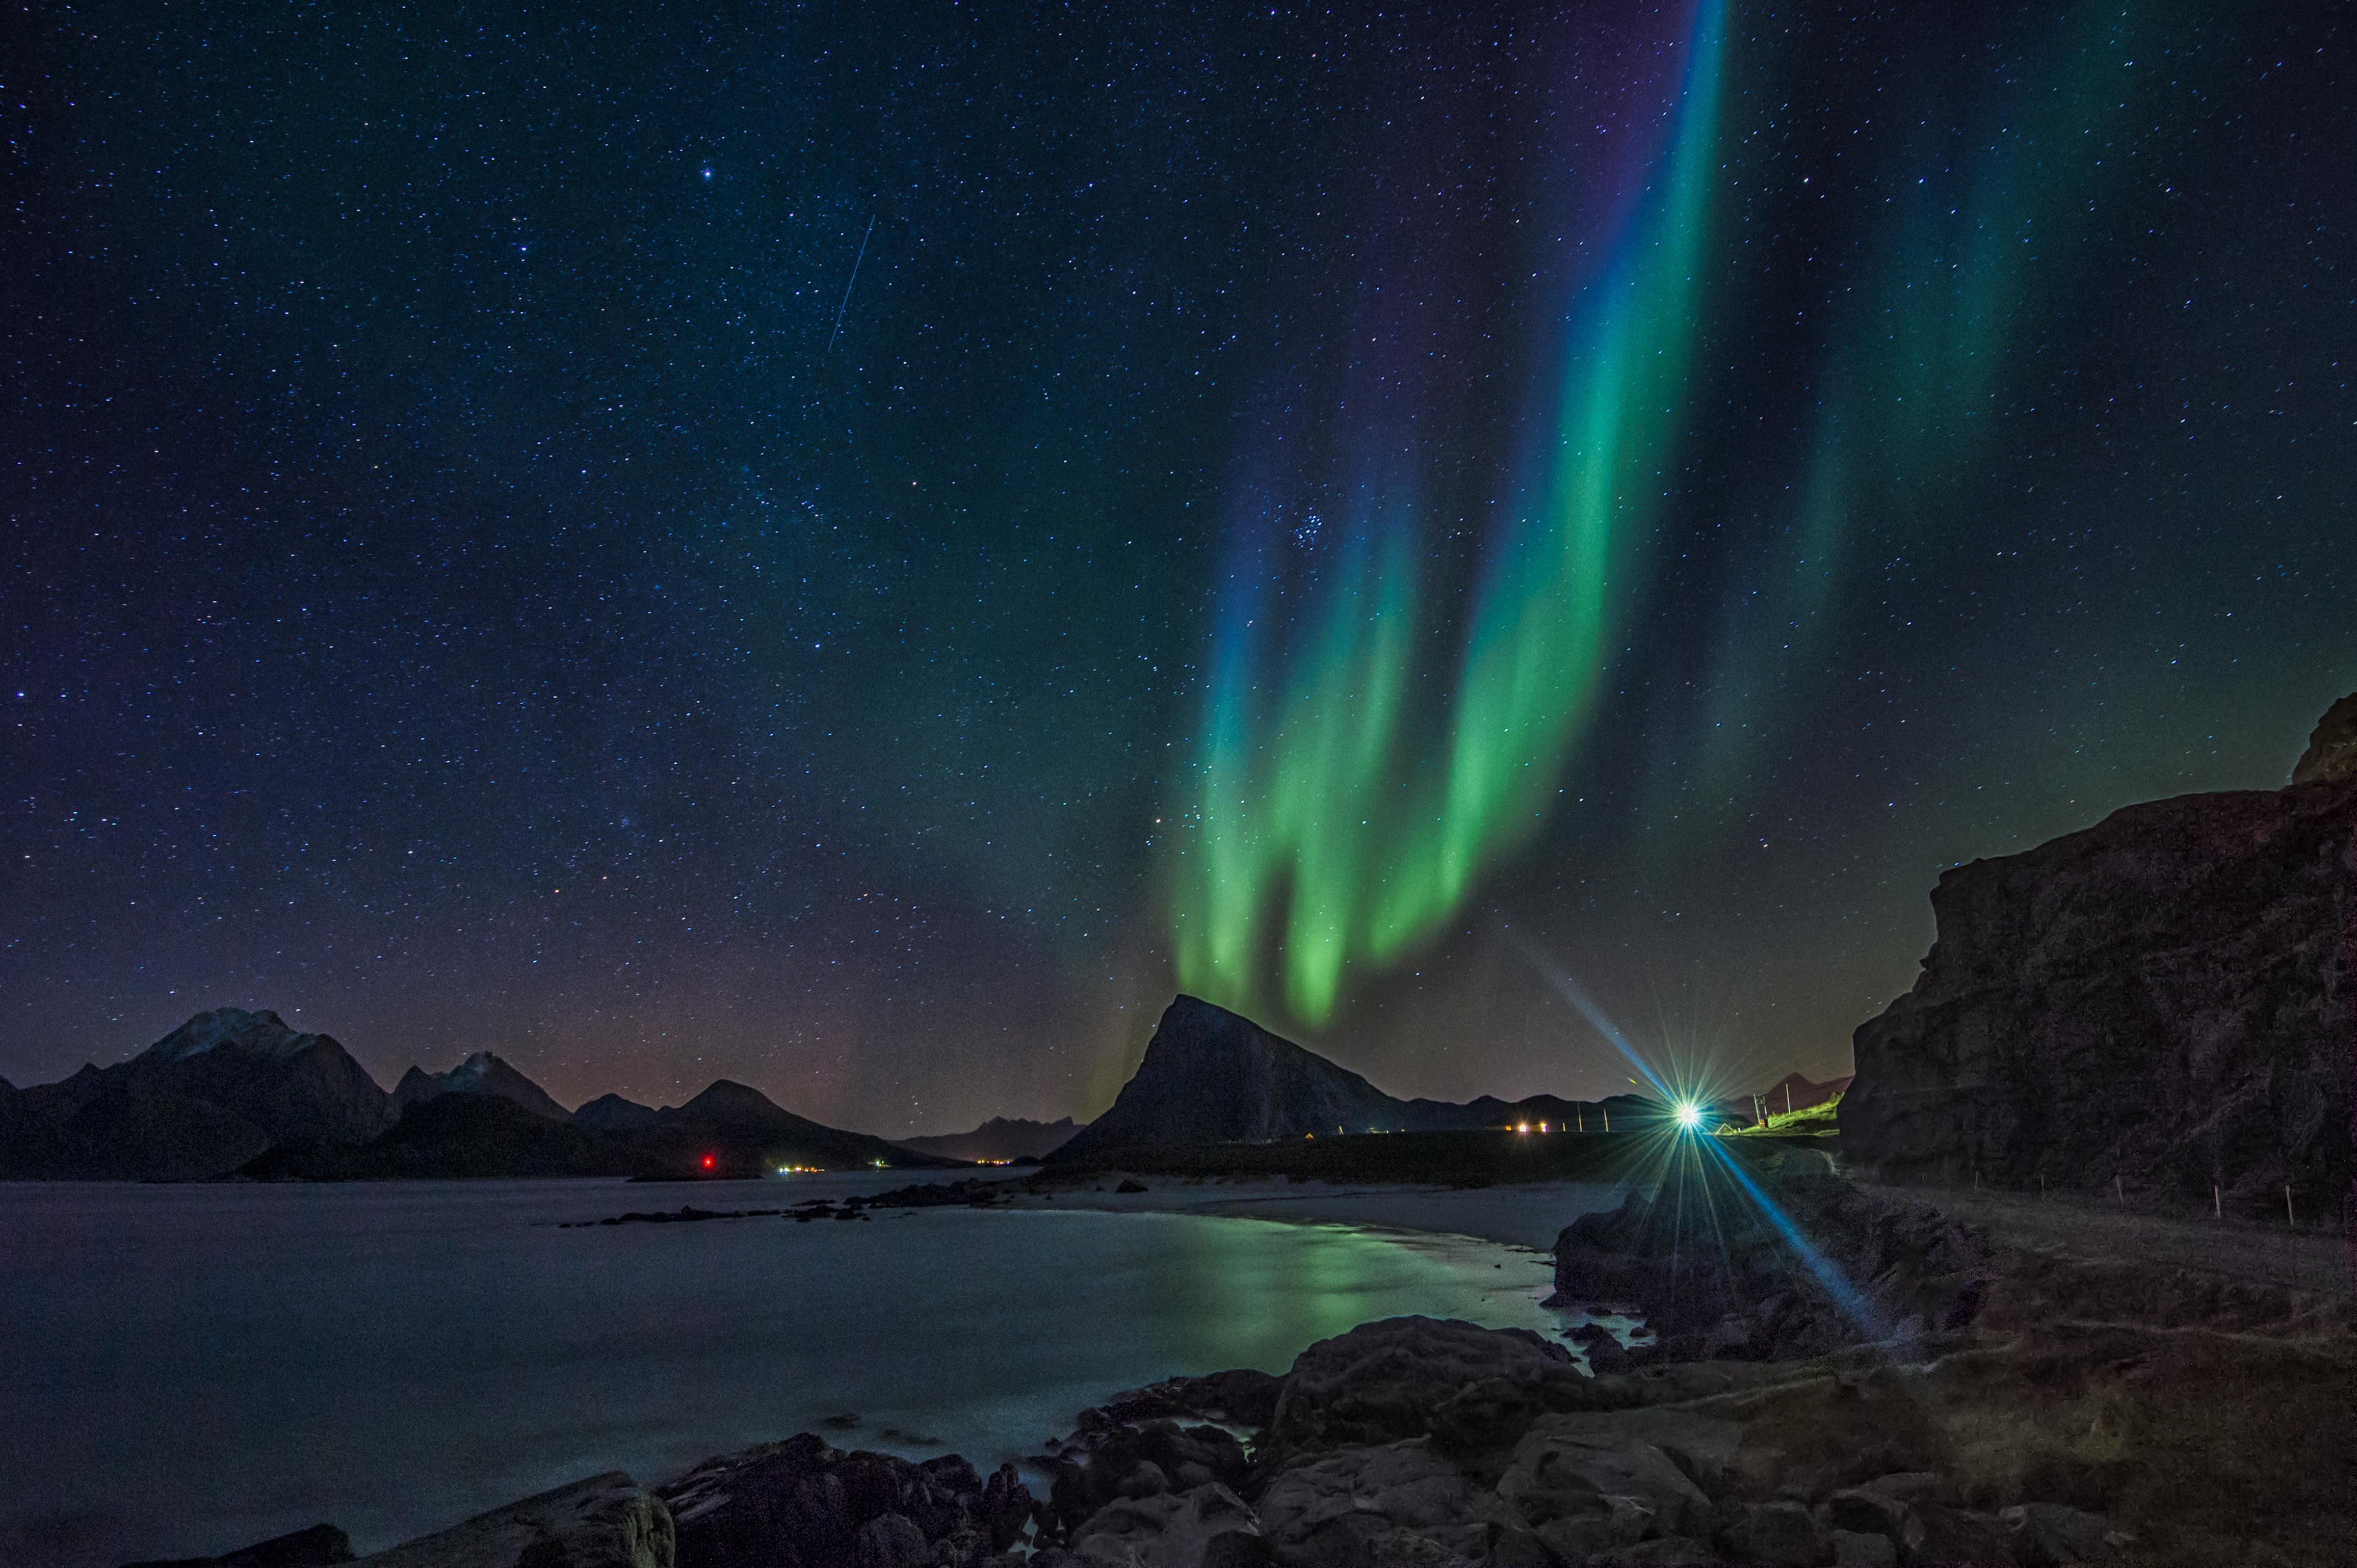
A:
(857, 553)
(1318, 801)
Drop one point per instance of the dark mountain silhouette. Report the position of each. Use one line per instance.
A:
(481, 1073)
(741, 1132)
(612, 1113)
(1213, 1077)
(236, 1093)
(205, 1099)
(1001, 1138)
(457, 1135)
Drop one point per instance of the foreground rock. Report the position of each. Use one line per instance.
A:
(2162, 999)
(321, 1546)
(1725, 1280)
(803, 1504)
(2038, 1413)
(605, 1522)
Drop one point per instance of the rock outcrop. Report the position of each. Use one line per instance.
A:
(321, 1546)
(2331, 754)
(2162, 999)
(605, 1522)
(803, 1504)
(1832, 1266)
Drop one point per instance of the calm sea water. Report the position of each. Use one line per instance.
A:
(191, 1369)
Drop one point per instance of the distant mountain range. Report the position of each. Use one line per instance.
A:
(237, 1093)
(233, 1092)
(998, 1140)
(1212, 1076)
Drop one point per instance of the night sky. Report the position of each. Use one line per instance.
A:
(858, 548)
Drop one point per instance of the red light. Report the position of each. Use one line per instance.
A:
(707, 1162)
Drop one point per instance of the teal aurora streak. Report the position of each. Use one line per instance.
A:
(1354, 785)
(1318, 831)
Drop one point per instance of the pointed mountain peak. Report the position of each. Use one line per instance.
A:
(262, 1033)
(480, 1073)
(727, 1094)
(1213, 1076)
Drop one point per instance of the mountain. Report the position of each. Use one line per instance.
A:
(1213, 1077)
(1210, 1077)
(481, 1073)
(236, 1093)
(1793, 1092)
(205, 1099)
(2162, 999)
(457, 1135)
(741, 1132)
(612, 1113)
(998, 1140)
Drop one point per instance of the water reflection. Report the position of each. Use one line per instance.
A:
(197, 1368)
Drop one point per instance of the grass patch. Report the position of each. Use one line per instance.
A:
(1810, 1122)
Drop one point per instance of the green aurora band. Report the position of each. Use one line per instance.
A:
(1318, 833)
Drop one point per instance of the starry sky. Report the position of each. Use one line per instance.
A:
(857, 549)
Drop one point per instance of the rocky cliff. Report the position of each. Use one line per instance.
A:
(2161, 998)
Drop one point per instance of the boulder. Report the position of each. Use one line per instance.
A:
(1937, 1536)
(605, 1521)
(1865, 1512)
(1777, 1535)
(803, 1504)
(2046, 1535)
(1856, 1549)
(1105, 1460)
(1168, 1531)
(1589, 1484)
(1725, 1280)
(1398, 1503)
(1243, 1396)
(321, 1546)
(2158, 999)
(1415, 1377)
